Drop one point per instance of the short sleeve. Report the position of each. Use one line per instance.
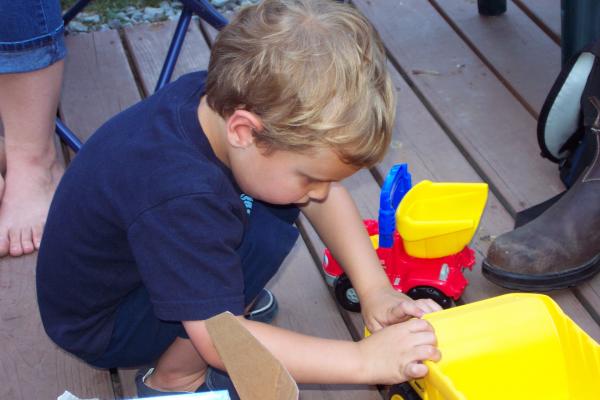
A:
(185, 250)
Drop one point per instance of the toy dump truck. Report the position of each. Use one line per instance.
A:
(516, 346)
(421, 238)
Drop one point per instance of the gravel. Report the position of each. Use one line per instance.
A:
(168, 10)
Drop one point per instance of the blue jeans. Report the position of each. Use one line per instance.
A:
(31, 35)
(139, 337)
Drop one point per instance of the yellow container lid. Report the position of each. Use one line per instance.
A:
(440, 219)
(516, 346)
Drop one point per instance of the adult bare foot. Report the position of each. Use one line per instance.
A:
(27, 196)
(28, 103)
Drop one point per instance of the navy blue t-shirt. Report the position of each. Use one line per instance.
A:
(145, 201)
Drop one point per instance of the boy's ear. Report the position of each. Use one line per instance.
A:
(241, 126)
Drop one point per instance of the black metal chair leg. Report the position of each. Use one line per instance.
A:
(74, 10)
(67, 136)
(174, 48)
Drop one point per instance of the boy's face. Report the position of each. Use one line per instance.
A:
(284, 177)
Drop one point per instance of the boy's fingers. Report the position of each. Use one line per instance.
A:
(428, 305)
(410, 308)
(415, 370)
(427, 352)
(419, 325)
(423, 345)
(374, 326)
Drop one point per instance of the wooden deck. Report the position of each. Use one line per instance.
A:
(470, 89)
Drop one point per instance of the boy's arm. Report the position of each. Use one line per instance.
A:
(390, 356)
(340, 226)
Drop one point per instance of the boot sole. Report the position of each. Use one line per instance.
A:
(544, 283)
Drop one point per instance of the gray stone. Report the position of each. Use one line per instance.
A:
(220, 3)
(152, 13)
(76, 26)
(114, 24)
(137, 16)
(89, 19)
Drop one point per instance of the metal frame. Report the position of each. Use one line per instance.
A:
(202, 8)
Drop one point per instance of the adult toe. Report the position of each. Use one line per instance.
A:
(4, 244)
(27, 241)
(37, 235)
(15, 248)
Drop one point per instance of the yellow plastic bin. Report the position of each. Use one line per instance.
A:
(516, 346)
(440, 219)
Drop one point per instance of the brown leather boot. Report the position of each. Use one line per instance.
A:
(561, 247)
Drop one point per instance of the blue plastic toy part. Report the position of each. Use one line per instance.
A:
(395, 186)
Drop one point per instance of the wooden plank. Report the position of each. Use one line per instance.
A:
(31, 366)
(148, 44)
(521, 54)
(546, 13)
(98, 81)
(589, 294)
(491, 128)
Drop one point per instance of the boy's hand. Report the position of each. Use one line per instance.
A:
(387, 306)
(396, 353)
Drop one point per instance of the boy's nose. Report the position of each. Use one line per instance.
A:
(319, 192)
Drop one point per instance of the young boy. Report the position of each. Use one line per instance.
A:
(147, 236)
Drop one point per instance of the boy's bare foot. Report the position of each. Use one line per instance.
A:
(28, 191)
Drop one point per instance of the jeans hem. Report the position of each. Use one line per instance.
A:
(33, 43)
(32, 59)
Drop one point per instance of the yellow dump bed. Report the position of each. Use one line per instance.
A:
(516, 346)
(439, 219)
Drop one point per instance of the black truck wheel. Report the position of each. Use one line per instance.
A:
(345, 294)
(402, 391)
(428, 292)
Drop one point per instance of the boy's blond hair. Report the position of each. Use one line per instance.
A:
(314, 71)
